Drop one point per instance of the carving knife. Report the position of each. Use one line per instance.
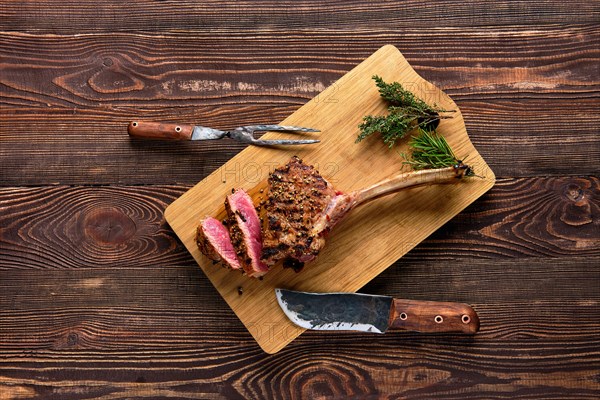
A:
(370, 313)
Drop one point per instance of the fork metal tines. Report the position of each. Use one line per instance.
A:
(245, 134)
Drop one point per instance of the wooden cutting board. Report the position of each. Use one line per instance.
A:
(373, 236)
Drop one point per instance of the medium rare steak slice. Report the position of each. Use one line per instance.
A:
(297, 196)
(214, 242)
(245, 231)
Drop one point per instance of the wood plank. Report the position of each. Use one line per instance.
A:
(521, 218)
(517, 218)
(178, 289)
(77, 93)
(190, 69)
(519, 139)
(111, 330)
(64, 227)
(81, 17)
(522, 139)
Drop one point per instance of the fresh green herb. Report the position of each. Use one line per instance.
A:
(406, 113)
(430, 150)
(391, 127)
(396, 95)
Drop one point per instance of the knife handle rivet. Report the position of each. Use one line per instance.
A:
(177, 129)
(466, 319)
(403, 316)
(438, 319)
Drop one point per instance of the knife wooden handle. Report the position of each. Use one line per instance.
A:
(160, 130)
(433, 316)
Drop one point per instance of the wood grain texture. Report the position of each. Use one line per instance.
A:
(110, 330)
(93, 307)
(518, 218)
(433, 316)
(181, 69)
(88, 87)
(160, 130)
(76, 16)
(64, 227)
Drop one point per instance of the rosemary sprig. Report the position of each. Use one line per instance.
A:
(406, 113)
(430, 150)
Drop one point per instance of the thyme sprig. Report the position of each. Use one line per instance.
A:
(430, 150)
(406, 113)
(395, 94)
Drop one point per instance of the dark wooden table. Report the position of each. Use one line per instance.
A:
(98, 298)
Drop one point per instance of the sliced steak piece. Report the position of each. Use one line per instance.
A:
(297, 196)
(214, 242)
(245, 231)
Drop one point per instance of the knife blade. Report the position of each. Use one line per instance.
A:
(372, 313)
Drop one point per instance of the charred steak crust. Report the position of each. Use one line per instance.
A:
(205, 246)
(297, 196)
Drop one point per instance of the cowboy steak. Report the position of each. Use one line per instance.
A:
(300, 210)
(302, 207)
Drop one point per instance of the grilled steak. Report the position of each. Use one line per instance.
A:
(300, 210)
(214, 242)
(302, 207)
(297, 196)
(245, 231)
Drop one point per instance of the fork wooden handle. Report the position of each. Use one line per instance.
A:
(160, 130)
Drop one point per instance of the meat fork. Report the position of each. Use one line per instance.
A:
(244, 134)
